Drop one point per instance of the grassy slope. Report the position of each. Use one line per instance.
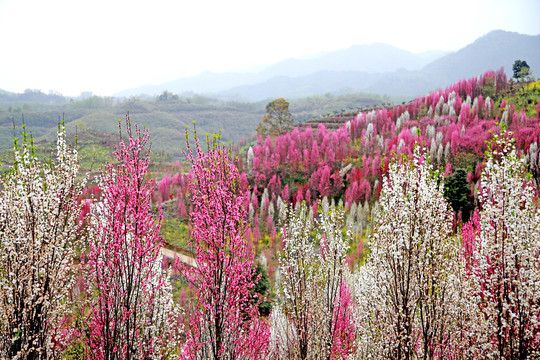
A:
(165, 119)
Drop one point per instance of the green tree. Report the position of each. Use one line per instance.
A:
(166, 96)
(525, 74)
(521, 70)
(261, 289)
(457, 191)
(278, 119)
(489, 88)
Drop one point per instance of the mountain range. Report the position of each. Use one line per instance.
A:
(376, 68)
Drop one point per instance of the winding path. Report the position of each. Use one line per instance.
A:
(172, 252)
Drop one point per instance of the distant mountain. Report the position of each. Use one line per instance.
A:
(377, 68)
(319, 83)
(497, 48)
(206, 83)
(372, 59)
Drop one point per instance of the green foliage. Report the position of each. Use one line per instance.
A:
(464, 160)
(74, 351)
(94, 102)
(456, 193)
(489, 89)
(524, 97)
(521, 69)
(175, 232)
(262, 287)
(168, 96)
(525, 74)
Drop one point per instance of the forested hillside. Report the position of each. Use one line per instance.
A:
(347, 165)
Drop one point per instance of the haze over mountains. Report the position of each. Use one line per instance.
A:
(376, 68)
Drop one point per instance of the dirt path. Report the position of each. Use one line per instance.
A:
(183, 256)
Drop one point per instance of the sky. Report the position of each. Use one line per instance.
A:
(105, 46)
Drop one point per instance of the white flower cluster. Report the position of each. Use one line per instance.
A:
(38, 239)
(508, 271)
(304, 317)
(408, 285)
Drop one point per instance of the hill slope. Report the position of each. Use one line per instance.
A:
(492, 51)
(166, 119)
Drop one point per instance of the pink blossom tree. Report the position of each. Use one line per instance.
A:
(224, 320)
(132, 313)
(164, 188)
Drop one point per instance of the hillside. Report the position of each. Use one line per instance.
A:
(343, 158)
(166, 117)
(492, 51)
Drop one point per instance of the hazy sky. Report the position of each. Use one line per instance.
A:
(105, 46)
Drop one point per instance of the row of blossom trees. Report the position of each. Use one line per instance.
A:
(426, 293)
(129, 312)
(423, 292)
(349, 164)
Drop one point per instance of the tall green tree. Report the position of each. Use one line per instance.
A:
(521, 70)
(278, 119)
(456, 193)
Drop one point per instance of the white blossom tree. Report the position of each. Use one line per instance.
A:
(408, 292)
(38, 241)
(504, 249)
(313, 316)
